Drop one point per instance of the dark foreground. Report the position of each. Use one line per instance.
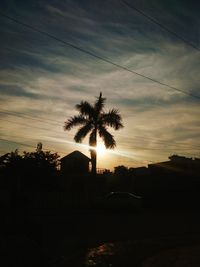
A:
(99, 238)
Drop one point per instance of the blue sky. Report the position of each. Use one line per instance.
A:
(41, 79)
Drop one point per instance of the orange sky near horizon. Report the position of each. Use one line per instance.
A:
(42, 77)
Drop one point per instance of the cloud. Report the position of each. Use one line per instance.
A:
(43, 78)
(16, 91)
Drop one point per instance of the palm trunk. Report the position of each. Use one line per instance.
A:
(94, 161)
(94, 154)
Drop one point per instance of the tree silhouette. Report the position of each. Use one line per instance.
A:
(93, 120)
(31, 169)
(121, 170)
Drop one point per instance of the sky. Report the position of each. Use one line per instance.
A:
(42, 79)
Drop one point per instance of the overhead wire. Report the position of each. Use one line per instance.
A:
(35, 127)
(28, 145)
(136, 147)
(155, 21)
(26, 117)
(97, 56)
(127, 155)
(94, 55)
(36, 118)
(31, 126)
(130, 138)
(162, 142)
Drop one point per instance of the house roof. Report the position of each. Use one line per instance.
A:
(76, 155)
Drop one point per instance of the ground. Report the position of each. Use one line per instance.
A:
(131, 239)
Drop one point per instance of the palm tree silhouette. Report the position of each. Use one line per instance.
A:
(94, 120)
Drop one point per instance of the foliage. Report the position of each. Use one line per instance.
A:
(30, 160)
(30, 167)
(43, 161)
(11, 160)
(120, 170)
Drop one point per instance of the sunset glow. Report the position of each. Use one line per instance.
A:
(101, 150)
(43, 78)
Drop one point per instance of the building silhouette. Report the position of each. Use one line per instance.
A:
(75, 163)
(176, 166)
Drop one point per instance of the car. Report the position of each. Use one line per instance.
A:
(121, 201)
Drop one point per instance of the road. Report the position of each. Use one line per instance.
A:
(66, 238)
(78, 231)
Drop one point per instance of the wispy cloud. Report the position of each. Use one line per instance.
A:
(41, 77)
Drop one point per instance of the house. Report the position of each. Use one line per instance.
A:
(75, 163)
(177, 165)
(139, 171)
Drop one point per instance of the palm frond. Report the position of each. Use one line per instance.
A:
(85, 108)
(99, 104)
(74, 121)
(82, 132)
(108, 138)
(112, 118)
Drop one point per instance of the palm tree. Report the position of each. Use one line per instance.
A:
(93, 120)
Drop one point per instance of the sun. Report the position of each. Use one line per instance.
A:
(101, 150)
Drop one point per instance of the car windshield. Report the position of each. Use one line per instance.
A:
(120, 195)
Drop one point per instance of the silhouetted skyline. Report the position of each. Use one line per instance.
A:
(41, 79)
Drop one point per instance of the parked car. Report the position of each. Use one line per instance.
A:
(121, 201)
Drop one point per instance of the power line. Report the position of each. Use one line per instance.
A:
(38, 118)
(186, 146)
(31, 126)
(31, 146)
(26, 117)
(96, 56)
(159, 141)
(55, 122)
(22, 115)
(27, 145)
(154, 149)
(34, 127)
(22, 144)
(166, 149)
(59, 152)
(155, 21)
(131, 138)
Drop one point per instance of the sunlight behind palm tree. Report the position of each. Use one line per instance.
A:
(93, 120)
(101, 150)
